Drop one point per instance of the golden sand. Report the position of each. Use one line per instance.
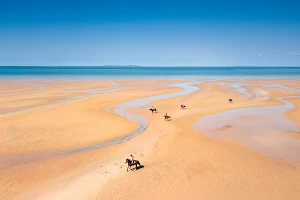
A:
(179, 163)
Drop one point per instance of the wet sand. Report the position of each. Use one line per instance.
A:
(179, 160)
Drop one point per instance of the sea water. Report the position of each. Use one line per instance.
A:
(133, 72)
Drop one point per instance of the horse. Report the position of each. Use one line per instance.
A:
(153, 110)
(167, 117)
(130, 163)
(230, 100)
(182, 106)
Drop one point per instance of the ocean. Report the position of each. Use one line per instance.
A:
(133, 72)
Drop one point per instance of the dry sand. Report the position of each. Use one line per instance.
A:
(179, 162)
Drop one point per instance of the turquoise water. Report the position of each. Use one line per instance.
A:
(108, 72)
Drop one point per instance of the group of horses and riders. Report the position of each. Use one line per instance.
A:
(166, 116)
(131, 162)
(154, 110)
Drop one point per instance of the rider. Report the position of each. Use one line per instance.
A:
(131, 158)
(166, 114)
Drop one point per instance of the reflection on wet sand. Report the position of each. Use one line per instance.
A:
(263, 132)
(120, 109)
(77, 149)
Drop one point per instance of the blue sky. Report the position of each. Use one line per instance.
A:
(150, 33)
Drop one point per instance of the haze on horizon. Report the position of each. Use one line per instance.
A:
(150, 33)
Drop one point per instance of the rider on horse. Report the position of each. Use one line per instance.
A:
(132, 160)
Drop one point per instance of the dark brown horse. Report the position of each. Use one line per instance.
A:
(130, 164)
(167, 117)
(182, 106)
(153, 110)
(230, 100)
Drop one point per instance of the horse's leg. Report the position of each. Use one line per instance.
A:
(127, 168)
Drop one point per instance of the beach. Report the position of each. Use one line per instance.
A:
(63, 139)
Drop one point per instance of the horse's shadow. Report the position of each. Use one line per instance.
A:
(170, 119)
(139, 167)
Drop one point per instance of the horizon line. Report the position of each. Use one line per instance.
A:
(148, 66)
